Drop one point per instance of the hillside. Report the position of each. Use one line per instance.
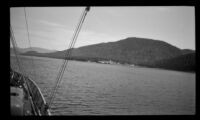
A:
(138, 51)
(130, 50)
(36, 49)
(187, 51)
(184, 62)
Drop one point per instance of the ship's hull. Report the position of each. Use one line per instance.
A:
(26, 97)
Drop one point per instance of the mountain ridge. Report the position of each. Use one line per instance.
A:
(132, 50)
(36, 49)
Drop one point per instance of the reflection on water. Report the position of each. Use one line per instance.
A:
(100, 89)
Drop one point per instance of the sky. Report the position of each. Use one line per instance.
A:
(53, 27)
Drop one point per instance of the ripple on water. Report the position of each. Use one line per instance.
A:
(98, 89)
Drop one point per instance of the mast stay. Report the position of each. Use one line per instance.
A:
(65, 60)
(67, 56)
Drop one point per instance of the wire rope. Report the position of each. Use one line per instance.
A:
(29, 41)
(67, 56)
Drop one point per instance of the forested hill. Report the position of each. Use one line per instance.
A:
(185, 62)
(130, 50)
(138, 51)
(36, 49)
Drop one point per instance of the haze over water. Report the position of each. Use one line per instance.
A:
(101, 89)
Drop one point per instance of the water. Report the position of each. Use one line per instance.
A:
(101, 89)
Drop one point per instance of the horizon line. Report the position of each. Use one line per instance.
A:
(105, 42)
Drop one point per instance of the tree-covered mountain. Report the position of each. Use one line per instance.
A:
(130, 50)
(187, 51)
(138, 51)
(185, 62)
(36, 49)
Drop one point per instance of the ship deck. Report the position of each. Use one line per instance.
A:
(26, 97)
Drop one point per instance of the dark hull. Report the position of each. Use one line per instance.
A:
(26, 97)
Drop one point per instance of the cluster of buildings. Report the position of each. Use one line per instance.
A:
(108, 62)
(112, 62)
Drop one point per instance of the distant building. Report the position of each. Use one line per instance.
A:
(107, 62)
(132, 65)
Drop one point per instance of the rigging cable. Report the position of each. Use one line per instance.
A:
(29, 42)
(67, 56)
(14, 43)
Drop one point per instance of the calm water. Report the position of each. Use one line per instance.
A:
(100, 89)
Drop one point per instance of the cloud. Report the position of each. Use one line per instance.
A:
(48, 23)
(163, 9)
(52, 35)
(91, 37)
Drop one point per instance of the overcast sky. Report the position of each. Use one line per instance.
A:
(53, 27)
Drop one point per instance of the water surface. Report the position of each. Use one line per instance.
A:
(102, 89)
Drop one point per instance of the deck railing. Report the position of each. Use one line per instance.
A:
(37, 97)
(35, 92)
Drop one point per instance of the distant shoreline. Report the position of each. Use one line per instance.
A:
(126, 65)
